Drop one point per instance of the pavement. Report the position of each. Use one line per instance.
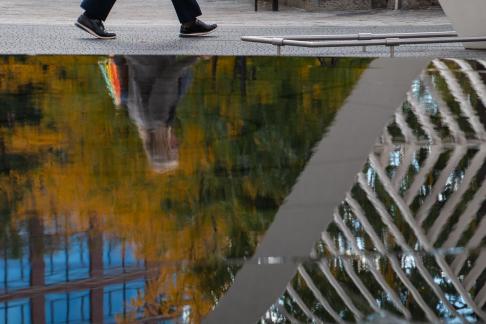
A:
(151, 27)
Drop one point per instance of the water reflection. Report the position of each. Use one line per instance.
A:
(95, 228)
(408, 242)
(156, 85)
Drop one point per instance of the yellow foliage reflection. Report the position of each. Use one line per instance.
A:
(186, 159)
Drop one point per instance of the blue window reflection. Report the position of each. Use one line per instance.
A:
(117, 299)
(15, 271)
(72, 307)
(69, 263)
(17, 311)
(118, 256)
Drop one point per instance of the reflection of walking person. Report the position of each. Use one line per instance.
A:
(96, 12)
(155, 88)
(151, 87)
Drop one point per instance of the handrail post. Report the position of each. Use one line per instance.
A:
(397, 5)
(392, 43)
(274, 5)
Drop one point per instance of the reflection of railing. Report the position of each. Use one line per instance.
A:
(90, 283)
(414, 197)
(78, 304)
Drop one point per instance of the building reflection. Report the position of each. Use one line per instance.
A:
(407, 243)
(74, 275)
(90, 233)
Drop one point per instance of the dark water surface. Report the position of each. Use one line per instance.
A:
(136, 188)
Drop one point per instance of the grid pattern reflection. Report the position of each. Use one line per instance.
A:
(407, 243)
(67, 275)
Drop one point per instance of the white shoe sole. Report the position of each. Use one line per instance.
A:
(91, 32)
(197, 34)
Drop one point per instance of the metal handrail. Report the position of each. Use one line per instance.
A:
(363, 40)
(362, 36)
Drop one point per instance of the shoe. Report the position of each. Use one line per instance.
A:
(94, 26)
(197, 28)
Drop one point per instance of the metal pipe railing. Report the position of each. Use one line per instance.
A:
(362, 36)
(313, 41)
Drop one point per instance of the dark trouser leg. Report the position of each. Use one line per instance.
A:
(187, 10)
(98, 9)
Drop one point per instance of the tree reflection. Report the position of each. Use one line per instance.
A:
(233, 132)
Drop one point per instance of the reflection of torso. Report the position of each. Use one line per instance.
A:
(155, 87)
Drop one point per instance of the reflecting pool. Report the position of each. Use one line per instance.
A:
(136, 188)
(128, 182)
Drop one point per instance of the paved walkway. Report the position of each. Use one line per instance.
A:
(151, 27)
(225, 12)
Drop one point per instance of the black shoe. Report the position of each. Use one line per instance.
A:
(94, 26)
(197, 28)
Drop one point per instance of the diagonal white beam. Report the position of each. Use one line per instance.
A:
(284, 312)
(324, 266)
(386, 137)
(402, 124)
(476, 271)
(377, 242)
(424, 120)
(384, 153)
(380, 279)
(430, 161)
(419, 233)
(482, 62)
(393, 262)
(451, 204)
(473, 243)
(458, 94)
(348, 267)
(473, 76)
(440, 183)
(296, 298)
(318, 295)
(481, 297)
(466, 218)
(385, 216)
(444, 111)
(407, 157)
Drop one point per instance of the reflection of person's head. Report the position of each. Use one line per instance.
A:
(161, 147)
(156, 86)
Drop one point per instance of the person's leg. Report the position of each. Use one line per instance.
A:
(97, 9)
(187, 10)
(91, 21)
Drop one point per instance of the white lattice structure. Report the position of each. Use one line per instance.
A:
(394, 242)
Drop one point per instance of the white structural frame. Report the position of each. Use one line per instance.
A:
(426, 238)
